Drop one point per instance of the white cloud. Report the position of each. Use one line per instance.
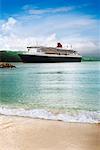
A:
(79, 31)
(9, 24)
(14, 42)
(37, 11)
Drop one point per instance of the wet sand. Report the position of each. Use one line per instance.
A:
(19, 133)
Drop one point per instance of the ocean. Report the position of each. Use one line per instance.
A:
(68, 92)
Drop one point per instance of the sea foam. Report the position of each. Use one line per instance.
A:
(82, 117)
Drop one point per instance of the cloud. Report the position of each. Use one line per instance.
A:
(14, 42)
(9, 24)
(37, 11)
(81, 31)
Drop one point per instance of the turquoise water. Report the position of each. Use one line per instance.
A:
(54, 87)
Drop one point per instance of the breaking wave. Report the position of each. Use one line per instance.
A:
(82, 117)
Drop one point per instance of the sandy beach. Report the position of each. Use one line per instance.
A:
(19, 133)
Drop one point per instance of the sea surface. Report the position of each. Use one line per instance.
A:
(68, 92)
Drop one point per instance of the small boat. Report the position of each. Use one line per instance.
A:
(43, 54)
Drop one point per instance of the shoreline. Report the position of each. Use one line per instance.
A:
(75, 116)
(23, 133)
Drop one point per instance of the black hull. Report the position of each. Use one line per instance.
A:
(47, 59)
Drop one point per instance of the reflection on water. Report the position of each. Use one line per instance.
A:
(59, 85)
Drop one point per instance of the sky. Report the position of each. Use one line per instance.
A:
(45, 22)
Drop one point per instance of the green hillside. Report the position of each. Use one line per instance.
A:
(90, 58)
(9, 56)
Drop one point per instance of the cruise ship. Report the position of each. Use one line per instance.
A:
(43, 54)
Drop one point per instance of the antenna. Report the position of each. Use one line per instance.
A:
(36, 43)
(71, 46)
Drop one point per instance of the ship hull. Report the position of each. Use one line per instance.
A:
(47, 59)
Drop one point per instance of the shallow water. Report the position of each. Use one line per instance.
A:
(58, 87)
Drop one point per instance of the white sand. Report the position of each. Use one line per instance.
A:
(17, 133)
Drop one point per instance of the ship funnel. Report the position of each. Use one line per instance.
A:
(59, 45)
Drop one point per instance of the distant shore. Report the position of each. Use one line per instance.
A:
(19, 133)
